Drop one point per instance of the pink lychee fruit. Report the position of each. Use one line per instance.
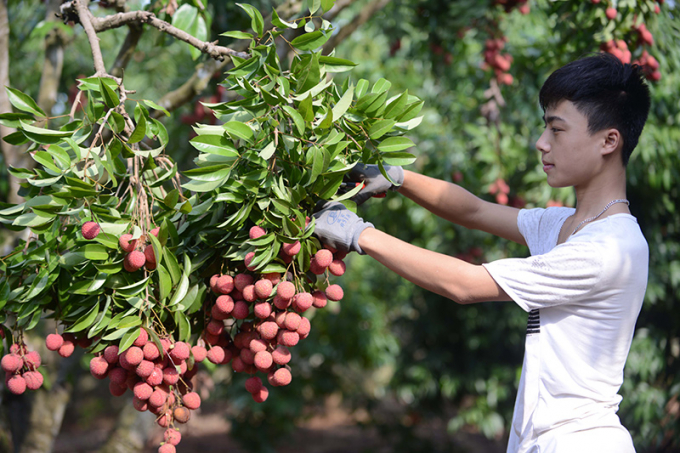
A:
(320, 299)
(180, 351)
(281, 355)
(241, 310)
(282, 377)
(16, 384)
(256, 232)
(253, 384)
(611, 13)
(291, 249)
(199, 353)
(32, 359)
(242, 280)
(224, 284)
(262, 360)
(134, 355)
(172, 436)
(268, 330)
(34, 380)
(302, 302)
(11, 363)
(99, 367)
(142, 390)
(166, 448)
(334, 292)
(261, 395)
(126, 243)
(191, 400)
(263, 288)
(286, 290)
(134, 261)
(150, 256)
(292, 321)
(67, 348)
(111, 354)
(304, 328)
(216, 354)
(90, 230)
(324, 258)
(262, 310)
(337, 267)
(142, 339)
(54, 341)
(248, 259)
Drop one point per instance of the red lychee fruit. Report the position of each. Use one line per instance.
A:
(34, 380)
(337, 267)
(156, 377)
(216, 354)
(334, 292)
(67, 348)
(16, 384)
(151, 351)
(54, 341)
(304, 328)
(191, 400)
(315, 268)
(282, 377)
(167, 448)
(134, 355)
(155, 231)
(242, 280)
(248, 259)
(140, 405)
(11, 363)
(263, 360)
(292, 321)
(257, 344)
(256, 232)
(158, 397)
(172, 436)
(150, 257)
(274, 277)
(286, 290)
(99, 367)
(118, 375)
(281, 355)
(145, 368)
(142, 391)
(247, 356)
(111, 354)
(238, 365)
(180, 351)
(32, 359)
(287, 338)
(281, 303)
(611, 13)
(117, 389)
(224, 284)
(170, 375)
(241, 310)
(320, 299)
(323, 258)
(249, 293)
(142, 339)
(253, 384)
(291, 249)
(134, 261)
(126, 243)
(90, 230)
(261, 396)
(263, 288)
(164, 420)
(215, 327)
(268, 330)
(302, 302)
(262, 310)
(224, 304)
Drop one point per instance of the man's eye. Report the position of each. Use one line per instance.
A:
(554, 129)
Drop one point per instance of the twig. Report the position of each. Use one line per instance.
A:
(86, 19)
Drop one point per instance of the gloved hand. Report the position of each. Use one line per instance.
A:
(340, 228)
(375, 182)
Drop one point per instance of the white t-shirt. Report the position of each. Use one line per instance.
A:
(583, 299)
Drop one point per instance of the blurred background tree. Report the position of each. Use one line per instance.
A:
(478, 65)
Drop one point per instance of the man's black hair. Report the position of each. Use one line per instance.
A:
(609, 93)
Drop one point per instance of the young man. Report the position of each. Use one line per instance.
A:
(585, 280)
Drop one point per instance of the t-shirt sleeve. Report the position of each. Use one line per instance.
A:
(569, 273)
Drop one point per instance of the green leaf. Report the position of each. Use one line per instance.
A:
(239, 130)
(326, 5)
(237, 35)
(256, 20)
(164, 282)
(268, 151)
(111, 99)
(171, 198)
(362, 86)
(200, 186)
(398, 159)
(311, 41)
(172, 265)
(23, 102)
(306, 109)
(183, 325)
(128, 339)
(313, 5)
(155, 106)
(297, 118)
(95, 252)
(182, 289)
(214, 144)
(380, 128)
(86, 320)
(12, 119)
(140, 130)
(343, 104)
(44, 158)
(397, 106)
(277, 21)
(392, 144)
(381, 86)
(334, 64)
(211, 173)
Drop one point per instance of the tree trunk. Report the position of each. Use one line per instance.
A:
(131, 433)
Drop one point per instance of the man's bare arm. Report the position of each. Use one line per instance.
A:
(457, 205)
(450, 277)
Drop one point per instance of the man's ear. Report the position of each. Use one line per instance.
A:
(612, 141)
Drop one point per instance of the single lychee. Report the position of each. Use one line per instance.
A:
(291, 249)
(158, 397)
(268, 330)
(181, 415)
(54, 341)
(224, 284)
(241, 310)
(287, 338)
(262, 310)
(67, 348)
(11, 363)
(117, 389)
(315, 268)
(282, 377)
(191, 400)
(253, 384)
(611, 13)
(281, 303)
(224, 304)
(320, 299)
(323, 258)
(337, 267)
(262, 360)
(292, 321)
(248, 259)
(247, 356)
(167, 448)
(155, 231)
(281, 355)
(180, 351)
(242, 280)
(99, 367)
(274, 277)
(16, 384)
(249, 293)
(215, 327)
(199, 353)
(134, 355)
(216, 354)
(126, 243)
(172, 436)
(302, 302)
(142, 339)
(286, 290)
(156, 377)
(334, 292)
(145, 368)
(90, 230)
(261, 396)
(134, 261)
(170, 375)
(32, 360)
(140, 405)
(263, 288)
(304, 328)
(143, 391)
(151, 351)
(118, 375)
(150, 256)
(257, 344)
(256, 232)
(34, 380)
(111, 354)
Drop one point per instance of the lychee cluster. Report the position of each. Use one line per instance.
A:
(21, 369)
(509, 5)
(139, 253)
(500, 63)
(256, 318)
(649, 65)
(500, 189)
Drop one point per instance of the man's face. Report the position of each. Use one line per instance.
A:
(570, 155)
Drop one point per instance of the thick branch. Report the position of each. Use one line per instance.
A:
(127, 50)
(86, 19)
(355, 23)
(147, 17)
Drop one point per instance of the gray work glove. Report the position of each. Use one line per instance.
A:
(375, 183)
(340, 228)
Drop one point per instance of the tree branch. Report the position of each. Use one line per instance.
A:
(355, 23)
(127, 49)
(86, 19)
